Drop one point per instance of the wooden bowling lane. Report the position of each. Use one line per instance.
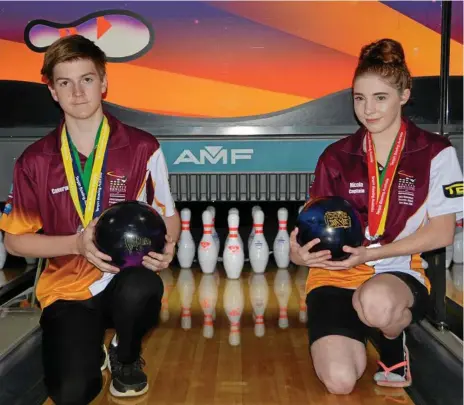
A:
(183, 367)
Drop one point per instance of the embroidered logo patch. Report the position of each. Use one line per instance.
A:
(453, 190)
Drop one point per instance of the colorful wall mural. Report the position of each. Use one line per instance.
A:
(226, 59)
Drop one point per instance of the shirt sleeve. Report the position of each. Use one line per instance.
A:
(323, 185)
(21, 213)
(446, 185)
(158, 170)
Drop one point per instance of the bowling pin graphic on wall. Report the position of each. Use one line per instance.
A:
(122, 34)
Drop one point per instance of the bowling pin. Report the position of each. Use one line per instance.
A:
(252, 233)
(3, 252)
(282, 290)
(281, 247)
(233, 306)
(186, 288)
(207, 251)
(458, 248)
(168, 283)
(259, 294)
(259, 249)
(235, 211)
(300, 283)
(208, 293)
(186, 244)
(233, 255)
(211, 209)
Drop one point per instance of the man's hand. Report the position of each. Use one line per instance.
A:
(87, 248)
(156, 261)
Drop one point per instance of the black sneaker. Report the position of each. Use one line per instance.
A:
(128, 380)
(104, 358)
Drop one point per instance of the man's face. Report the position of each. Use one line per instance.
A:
(78, 87)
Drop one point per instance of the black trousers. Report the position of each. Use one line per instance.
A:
(73, 333)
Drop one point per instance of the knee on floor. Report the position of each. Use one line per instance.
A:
(339, 379)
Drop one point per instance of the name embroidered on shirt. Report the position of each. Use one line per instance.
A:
(356, 188)
(60, 190)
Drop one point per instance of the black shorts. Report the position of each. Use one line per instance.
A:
(331, 312)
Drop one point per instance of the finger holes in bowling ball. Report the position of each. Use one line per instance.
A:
(129, 230)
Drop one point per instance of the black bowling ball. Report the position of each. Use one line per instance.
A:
(127, 231)
(334, 221)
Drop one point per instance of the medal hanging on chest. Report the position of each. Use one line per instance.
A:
(380, 184)
(86, 186)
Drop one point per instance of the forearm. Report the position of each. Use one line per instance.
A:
(438, 233)
(173, 226)
(41, 246)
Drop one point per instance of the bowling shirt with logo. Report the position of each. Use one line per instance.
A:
(39, 200)
(428, 183)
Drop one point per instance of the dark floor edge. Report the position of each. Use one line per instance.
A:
(454, 315)
(21, 373)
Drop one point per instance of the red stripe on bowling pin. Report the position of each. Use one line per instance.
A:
(258, 228)
(208, 321)
(233, 232)
(235, 327)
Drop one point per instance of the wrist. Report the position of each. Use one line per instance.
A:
(75, 243)
(375, 253)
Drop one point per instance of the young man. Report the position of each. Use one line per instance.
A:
(61, 185)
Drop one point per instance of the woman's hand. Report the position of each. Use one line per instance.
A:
(301, 255)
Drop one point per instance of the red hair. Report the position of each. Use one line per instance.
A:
(386, 59)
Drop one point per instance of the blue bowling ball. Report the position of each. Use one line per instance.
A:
(334, 221)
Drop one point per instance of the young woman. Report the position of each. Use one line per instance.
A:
(407, 185)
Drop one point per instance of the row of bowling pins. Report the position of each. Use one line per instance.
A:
(234, 299)
(233, 256)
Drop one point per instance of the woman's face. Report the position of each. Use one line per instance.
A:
(377, 103)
